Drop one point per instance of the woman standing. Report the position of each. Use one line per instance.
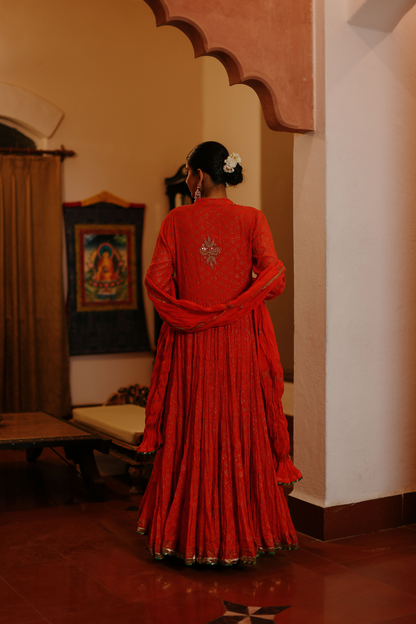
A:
(214, 406)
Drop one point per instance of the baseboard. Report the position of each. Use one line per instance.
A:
(358, 518)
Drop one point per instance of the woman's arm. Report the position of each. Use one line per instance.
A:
(161, 269)
(264, 252)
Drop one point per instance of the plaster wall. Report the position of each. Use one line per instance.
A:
(309, 231)
(371, 259)
(131, 94)
(277, 205)
(355, 227)
(135, 102)
(381, 15)
(232, 116)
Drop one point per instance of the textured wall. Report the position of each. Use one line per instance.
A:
(231, 115)
(371, 229)
(355, 266)
(277, 205)
(129, 114)
(135, 102)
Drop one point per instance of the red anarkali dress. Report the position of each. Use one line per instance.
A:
(214, 406)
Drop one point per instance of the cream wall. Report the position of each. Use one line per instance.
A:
(135, 102)
(277, 205)
(232, 116)
(309, 231)
(132, 112)
(355, 264)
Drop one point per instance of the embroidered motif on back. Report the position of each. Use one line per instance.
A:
(210, 251)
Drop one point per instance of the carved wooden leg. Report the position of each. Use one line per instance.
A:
(92, 478)
(136, 473)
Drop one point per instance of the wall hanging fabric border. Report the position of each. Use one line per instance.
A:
(105, 299)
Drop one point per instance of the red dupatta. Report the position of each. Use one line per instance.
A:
(186, 316)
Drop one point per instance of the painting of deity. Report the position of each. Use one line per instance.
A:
(105, 304)
(106, 267)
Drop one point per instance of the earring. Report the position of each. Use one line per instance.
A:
(198, 194)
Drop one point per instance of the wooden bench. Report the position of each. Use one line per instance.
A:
(123, 427)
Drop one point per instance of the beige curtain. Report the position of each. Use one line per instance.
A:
(34, 356)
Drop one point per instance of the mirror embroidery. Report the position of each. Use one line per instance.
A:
(210, 251)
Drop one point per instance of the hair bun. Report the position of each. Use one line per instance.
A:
(234, 177)
(213, 158)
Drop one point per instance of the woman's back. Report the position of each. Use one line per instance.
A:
(214, 245)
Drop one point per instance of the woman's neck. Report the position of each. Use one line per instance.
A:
(215, 192)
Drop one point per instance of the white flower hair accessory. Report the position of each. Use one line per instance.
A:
(231, 162)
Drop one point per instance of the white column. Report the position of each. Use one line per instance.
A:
(355, 266)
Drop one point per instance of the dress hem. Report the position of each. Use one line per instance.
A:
(167, 552)
(150, 452)
(291, 483)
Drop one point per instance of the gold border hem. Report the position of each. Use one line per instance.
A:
(168, 552)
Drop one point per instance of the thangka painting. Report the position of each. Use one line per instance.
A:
(106, 267)
(105, 300)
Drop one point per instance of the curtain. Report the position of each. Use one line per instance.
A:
(34, 355)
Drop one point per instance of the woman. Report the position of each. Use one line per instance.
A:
(214, 406)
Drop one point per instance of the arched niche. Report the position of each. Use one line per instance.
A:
(383, 15)
(29, 110)
(265, 44)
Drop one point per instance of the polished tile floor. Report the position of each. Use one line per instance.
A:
(66, 560)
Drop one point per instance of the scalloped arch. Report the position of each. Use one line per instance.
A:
(265, 44)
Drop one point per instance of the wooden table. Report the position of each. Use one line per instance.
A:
(34, 431)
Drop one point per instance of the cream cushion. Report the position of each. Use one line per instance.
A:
(121, 422)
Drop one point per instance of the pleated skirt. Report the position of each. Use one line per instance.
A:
(213, 496)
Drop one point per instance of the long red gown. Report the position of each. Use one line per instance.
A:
(214, 494)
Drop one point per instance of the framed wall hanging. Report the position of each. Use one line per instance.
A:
(105, 299)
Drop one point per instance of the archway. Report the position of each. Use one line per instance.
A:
(268, 46)
(29, 110)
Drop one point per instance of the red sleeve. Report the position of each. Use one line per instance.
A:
(264, 252)
(161, 270)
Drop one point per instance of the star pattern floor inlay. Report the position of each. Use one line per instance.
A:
(242, 614)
